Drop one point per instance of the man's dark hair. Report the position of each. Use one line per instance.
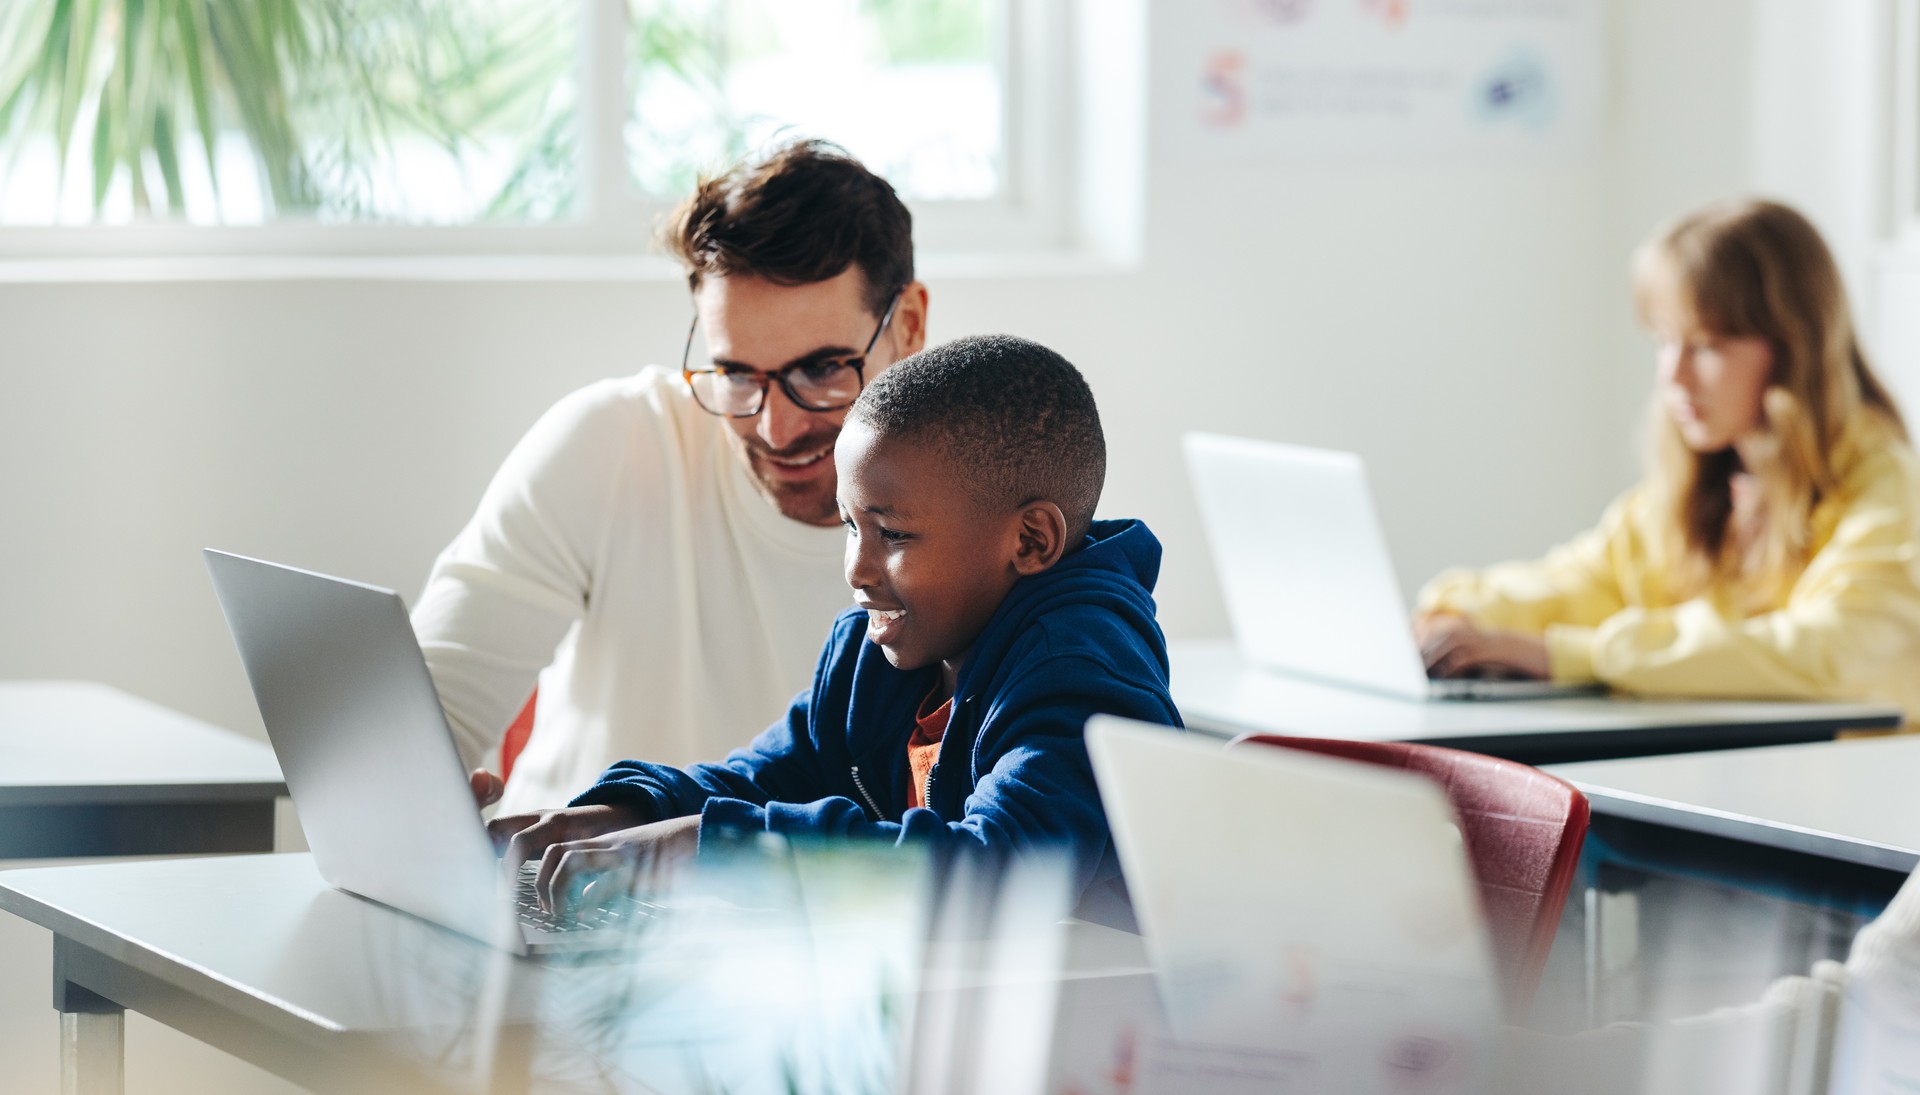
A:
(1016, 419)
(801, 213)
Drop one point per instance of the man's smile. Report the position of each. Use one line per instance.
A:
(798, 466)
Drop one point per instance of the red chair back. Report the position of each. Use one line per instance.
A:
(1523, 830)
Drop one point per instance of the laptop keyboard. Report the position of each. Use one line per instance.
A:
(625, 910)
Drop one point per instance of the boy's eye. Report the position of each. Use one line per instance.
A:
(894, 536)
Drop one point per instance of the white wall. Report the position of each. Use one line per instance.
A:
(1464, 327)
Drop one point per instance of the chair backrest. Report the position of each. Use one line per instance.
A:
(1523, 830)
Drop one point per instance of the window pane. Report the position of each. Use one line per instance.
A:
(912, 87)
(246, 111)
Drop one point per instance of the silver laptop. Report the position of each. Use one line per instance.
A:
(1304, 567)
(1313, 920)
(379, 787)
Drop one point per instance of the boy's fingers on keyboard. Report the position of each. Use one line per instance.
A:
(507, 826)
(566, 869)
(524, 836)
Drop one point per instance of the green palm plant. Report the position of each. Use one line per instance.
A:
(321, 90)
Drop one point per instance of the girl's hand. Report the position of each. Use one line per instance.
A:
(1454, 646)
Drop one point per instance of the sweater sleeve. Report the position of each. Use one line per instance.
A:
(1853, 612)
(1576, 583)
(1561, 597)
(505, 591)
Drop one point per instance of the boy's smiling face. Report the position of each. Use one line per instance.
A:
(925, 559)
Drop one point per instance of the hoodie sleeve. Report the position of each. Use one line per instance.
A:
(1038, 792)
(782, 764)
(779, 763)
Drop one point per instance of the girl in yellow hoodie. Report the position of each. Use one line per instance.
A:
(1773, 548)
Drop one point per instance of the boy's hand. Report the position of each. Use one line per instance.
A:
(1453, 646)
(521, 837)
(593, 870)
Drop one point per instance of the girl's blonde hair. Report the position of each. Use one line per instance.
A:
(1758, 268)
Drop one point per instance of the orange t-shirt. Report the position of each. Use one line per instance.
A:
(923, 749)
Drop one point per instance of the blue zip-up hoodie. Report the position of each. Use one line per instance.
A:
(1013, 774)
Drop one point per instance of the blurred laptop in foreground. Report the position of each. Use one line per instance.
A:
(1313, 924)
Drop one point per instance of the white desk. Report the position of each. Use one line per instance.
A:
(86, 769)
(1833, 825)
(254, 955)
(1218, 692)
(257, 956)
(1845, 801)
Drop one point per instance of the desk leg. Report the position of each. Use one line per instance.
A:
(92, 1033)
(92, 1057)
(1612, 946)
(1590, 925)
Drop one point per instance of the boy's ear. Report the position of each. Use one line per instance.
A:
(1043, 538)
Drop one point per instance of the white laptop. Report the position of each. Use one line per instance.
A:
(1314, 921)
(1304, 567)
(381, 791)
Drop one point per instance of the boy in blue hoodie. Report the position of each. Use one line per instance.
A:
(991, 616)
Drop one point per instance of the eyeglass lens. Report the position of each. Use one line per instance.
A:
(817, 386)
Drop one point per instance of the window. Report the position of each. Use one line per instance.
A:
(502, 126)
(244, 112)
(710, 78)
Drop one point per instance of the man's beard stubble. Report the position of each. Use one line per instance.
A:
(811, 503)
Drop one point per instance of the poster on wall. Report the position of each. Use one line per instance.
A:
(1304, 80)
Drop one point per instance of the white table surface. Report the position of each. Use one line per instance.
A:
(1853, 801)
(1216, 689)
(260, 934)
(77, 742)
(261, 950)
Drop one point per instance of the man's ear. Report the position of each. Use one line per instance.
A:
(910, 319)
(1043, 538)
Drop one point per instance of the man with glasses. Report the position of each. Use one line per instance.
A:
(661, 553)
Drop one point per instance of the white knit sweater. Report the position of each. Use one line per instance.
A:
(622, 556)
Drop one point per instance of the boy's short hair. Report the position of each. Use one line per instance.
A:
(801, 213)
(1016, 418)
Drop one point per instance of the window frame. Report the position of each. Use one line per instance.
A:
(1903, 175)
(613, 230)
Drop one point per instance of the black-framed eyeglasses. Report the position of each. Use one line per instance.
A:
(815, 384)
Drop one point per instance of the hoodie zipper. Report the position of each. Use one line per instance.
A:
(926, 789)
(861, 785)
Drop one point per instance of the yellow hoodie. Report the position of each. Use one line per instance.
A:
(1848, 627)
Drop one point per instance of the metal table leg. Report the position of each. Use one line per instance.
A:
(92, 1035)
